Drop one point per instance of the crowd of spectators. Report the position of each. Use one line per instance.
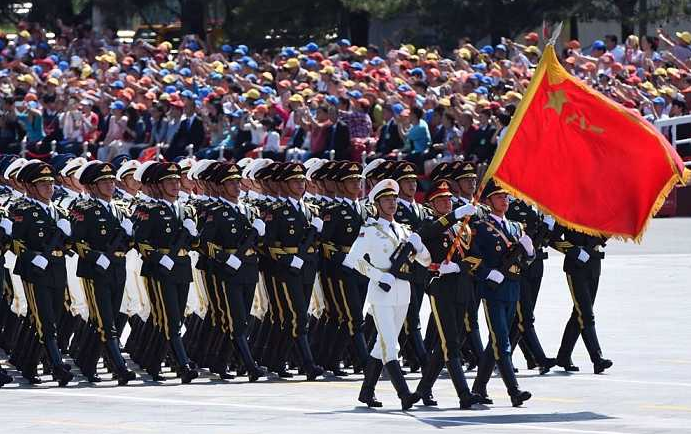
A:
(91, 93)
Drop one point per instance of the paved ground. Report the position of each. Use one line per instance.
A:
(644, 326)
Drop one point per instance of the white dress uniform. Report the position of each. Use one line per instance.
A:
(378, 241)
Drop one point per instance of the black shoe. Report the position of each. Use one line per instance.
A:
(63, 377)
(222, 373)
(371, 401)
(483, 399)
(409, 400)
(255, 374)
(157, 377)
(314, 371)
(530, 365)
(187, 374)
(32, 379)
(519, 398)
(468, 399)
(428, 399)
(546, 365)
(126, 377)
(283, 373)
(567, 365)
(93, 378)
(600, 366)
(339, 373)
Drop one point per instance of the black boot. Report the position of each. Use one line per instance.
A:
(484, 372)
(399, 383)
(254, 372)
(593, 346)
(429, 376)
(467, 399)
(506, 370)
(60, 374)
(124, 375)
(311, 370)
(373, 370)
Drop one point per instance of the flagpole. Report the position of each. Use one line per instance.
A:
(476, 198)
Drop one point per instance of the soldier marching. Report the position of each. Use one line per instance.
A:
(268, 269)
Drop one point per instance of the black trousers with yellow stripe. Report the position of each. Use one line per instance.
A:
(449, 311)
(449, 296)
(104, 296)
(583, 284)
(45, 305)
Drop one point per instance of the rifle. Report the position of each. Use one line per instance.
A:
(399, 258)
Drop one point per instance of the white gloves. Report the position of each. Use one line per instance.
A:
(167, 262)
(388, 278)
(127, 226)
(527, 244)
(65, 227)
(190, 226)
(40, 262)
(260, 226)
(583, 256)
(495, 276)
(549, 221)
(233, 262)
(416, 241)
(317, 223)
(6, 225)
(464, 210)
(449, 268)
(297, 262)
(103, 262)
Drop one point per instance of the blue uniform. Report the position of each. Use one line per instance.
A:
(493, 240)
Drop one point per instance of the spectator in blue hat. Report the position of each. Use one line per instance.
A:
(117, 127)
(598, 49)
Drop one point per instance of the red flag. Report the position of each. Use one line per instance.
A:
(591, 163)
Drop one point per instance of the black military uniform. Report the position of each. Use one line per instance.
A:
(582, 265)
(230, 240)
(40, 246)
(413, 214)
(343, 287)
(523, 329)
(450, 292)
(101, 243)
(164, 244)
(290, 239)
